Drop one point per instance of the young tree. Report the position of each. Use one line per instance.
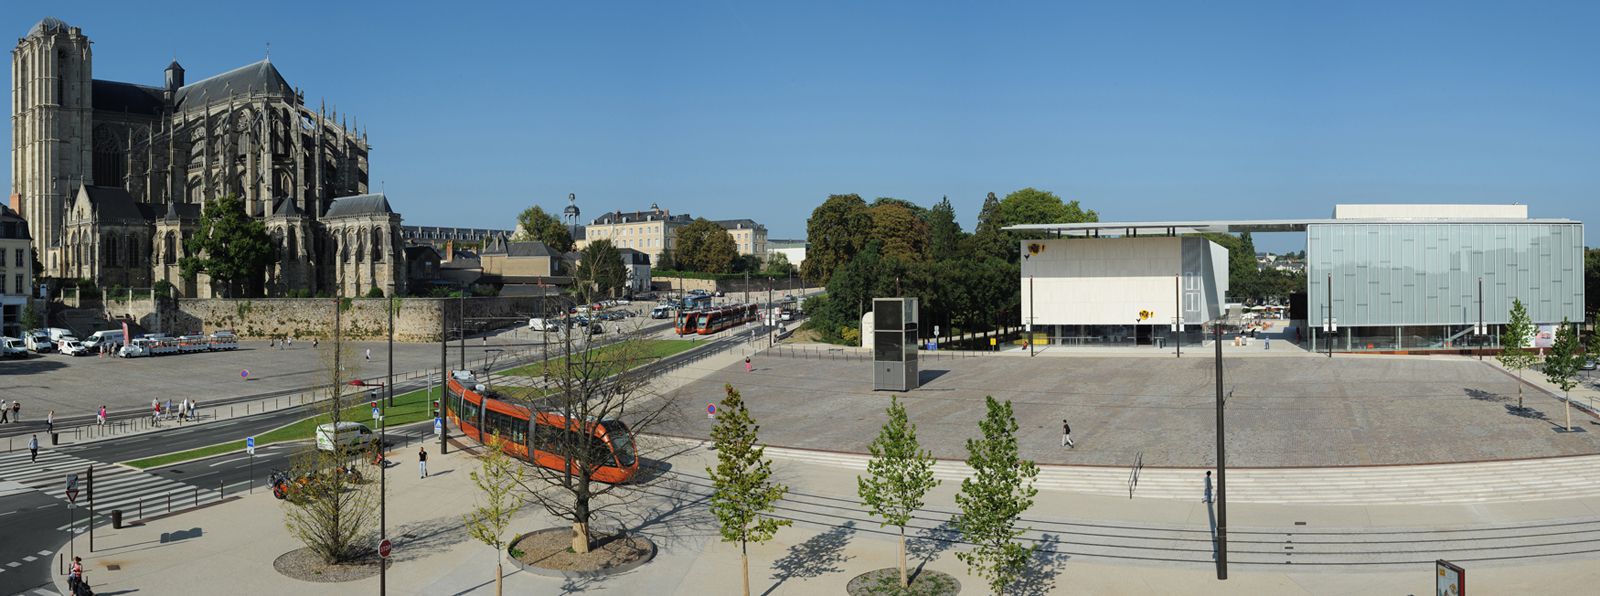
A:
(899, 476)
(230, 246)
(332, 513)
(993, 498)
(497, 477)
(601, 268)
(1562, 362)
(1514, 353)
(30, 318)
(704, 246)
(742, 494)
(595, 390)
(535, 224)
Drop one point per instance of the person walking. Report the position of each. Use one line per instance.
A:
(747, 364)
(1066, 434)
(50, 422)
(291, 341)
(33, 448)
(369, 353)
(1266, 343)
(1207, 498)
(100, 416)
(194, 404)
(183, 409)
(315, 341)
(16, 411)
(5, 411)
(75, 576)
(422, 462)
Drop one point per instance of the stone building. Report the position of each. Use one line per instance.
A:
(111, 176)
(16, 271)
(749, 237)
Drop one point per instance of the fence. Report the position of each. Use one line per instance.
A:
(812, 352)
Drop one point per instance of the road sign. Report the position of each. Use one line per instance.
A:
(384, 548)
(376, 415)
(711, 410)
(438, 426)
(244, 374)
(72, 488)
(250, 445)
(991, 342)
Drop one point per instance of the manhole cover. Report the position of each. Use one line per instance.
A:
(113, 567)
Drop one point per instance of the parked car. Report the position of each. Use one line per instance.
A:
(1589, 364)
(785, 315)
(136, 348)
(661, 312)
(543, 324)
(72, 347)
(11, 347)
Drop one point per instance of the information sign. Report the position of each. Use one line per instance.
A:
(250, 445)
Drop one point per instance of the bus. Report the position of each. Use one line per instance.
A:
(477, 410)
(727, 317)
(694, 301)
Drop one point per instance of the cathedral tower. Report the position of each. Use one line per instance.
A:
(51, 110)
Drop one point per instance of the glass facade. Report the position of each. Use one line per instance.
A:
(1422, 286)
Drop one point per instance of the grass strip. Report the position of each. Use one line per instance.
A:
(415, 406)
(648, 350)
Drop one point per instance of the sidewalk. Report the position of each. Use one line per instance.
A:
(238, 540)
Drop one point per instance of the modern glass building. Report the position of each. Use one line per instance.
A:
(1406, 277)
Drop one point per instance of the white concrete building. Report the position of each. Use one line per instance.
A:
(1126, 290)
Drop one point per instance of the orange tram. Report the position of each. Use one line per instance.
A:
(711, 320)
(476, 410)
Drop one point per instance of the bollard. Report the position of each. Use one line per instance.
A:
(116, 519)
(169, 502)
(141, 507)
(221, 490)
(230, 411)
(196, 496)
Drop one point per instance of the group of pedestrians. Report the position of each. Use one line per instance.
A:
(180, 412)
(10, 412)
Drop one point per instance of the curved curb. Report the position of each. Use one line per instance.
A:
(557, 573)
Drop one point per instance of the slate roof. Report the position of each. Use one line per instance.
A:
(616, 217)
(530, 248)
(738, 224)
(370, 204)
(47, 24)
(258, 77)
(112, 203)
(286, 207)
(182, 211)
(112, 96)
(12, 225)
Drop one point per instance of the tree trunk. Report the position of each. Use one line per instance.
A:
(1567, 404)
(903, 582)
(499, 574)
(744, 559)
(1519, 389)
(580, 537)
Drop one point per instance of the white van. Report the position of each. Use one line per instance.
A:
(538, 324)
(39, 341)
(111, 338)
(72, 347)
(11, 347)
(351, 434)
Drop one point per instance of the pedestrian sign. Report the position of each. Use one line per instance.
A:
(376, 415)
(72, 488)
(250, 445)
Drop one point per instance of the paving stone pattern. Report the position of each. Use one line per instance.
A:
(1285, 412)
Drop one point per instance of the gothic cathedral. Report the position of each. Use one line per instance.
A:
(112, 176)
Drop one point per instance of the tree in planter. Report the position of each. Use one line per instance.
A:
(228, 245)
(596, 391)
(497, 477)
(1562, 363)
(742, 495)
(994, 498)
(899, 476)
(332, 513)
(1514, 353)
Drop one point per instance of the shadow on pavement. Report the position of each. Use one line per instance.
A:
(1039, 576)
(930, 544)
(823, 553)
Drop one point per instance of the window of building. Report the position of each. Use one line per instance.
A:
(19, 257)
(20, 288)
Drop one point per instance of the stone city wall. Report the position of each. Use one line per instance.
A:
(416, 319)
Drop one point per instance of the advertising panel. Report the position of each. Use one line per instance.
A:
(1544, 336)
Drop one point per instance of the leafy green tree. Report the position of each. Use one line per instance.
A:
(706, 247)
(535, 224)
(944, 233)
(31, 319)
(1034, 206)
(778, 265)
(903, 234)
(601, 268)
(994, 498)
(1514, 341)
(498, 478)
(743, 494)
(1562, 363)
(988, 239)
(1591, 282)
(899, 476)
(228, 245)
(835, 232)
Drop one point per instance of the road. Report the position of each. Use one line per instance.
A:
(30, 519)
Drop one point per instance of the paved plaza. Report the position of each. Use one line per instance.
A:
(1287, 410)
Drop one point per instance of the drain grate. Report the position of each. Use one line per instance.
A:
(113, 567)
(1299, 523)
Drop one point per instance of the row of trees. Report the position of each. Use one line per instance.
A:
(1562, 361)
(898, 481)
(892, 247)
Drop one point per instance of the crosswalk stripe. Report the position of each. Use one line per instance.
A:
(115, 487)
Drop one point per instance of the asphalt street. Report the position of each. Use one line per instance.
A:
(28, 519)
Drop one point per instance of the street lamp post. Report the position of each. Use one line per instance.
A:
(1222, 470)
(383, 440)
(444, 377)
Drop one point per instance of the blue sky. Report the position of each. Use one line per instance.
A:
(760, 110)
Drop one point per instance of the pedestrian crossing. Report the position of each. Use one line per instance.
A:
(115, 487)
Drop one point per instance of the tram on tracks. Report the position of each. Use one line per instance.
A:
(476, 410)
(712, 320)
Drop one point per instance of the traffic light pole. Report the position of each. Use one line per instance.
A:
(1222, 471)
